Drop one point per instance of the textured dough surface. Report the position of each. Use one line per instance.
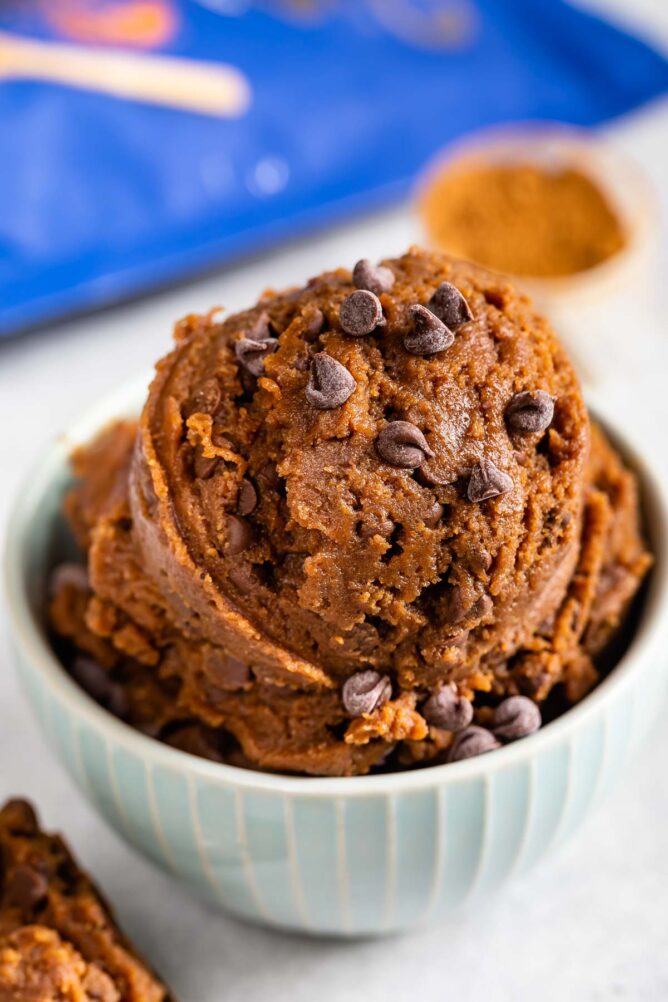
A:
(58, 939)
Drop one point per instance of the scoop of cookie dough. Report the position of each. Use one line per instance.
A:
(411, 527)
(375, 485)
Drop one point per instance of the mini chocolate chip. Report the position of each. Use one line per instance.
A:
(516, 717)
(206, 398)
(361, 313)
(221, 437)
(330, 384)
(480, 560)
(366, 691)
(472, 741)
(269, 476)
(482, 608)
(252, 352)
(260, 329)
(239, 535)
(487, 481)
(314, 321)
(375, 278)
(450, 306)
(445, 708)
(227, 671)
(25, 886)
(456, 608)
(246, 498)
(244, 577)
(429, 334)
(204, 466)
(434, 516)
(530, 412)
(376, 527)
(402, 444)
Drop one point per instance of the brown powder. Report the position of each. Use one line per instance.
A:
(521, 219)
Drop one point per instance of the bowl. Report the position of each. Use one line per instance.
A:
(337, 856)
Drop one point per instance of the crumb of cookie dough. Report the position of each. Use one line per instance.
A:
(269, 529)
(397, 720)
(58, 937)
(36, 965)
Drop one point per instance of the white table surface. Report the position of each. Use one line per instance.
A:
(590, 924)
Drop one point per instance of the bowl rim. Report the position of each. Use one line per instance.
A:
(30, 638)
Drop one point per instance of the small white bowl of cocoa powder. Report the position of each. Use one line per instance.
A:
(566, 215)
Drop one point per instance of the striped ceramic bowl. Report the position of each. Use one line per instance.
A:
(333, 856)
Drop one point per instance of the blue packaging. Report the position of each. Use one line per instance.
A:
(320, 109)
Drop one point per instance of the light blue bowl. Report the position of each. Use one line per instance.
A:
(348, 857)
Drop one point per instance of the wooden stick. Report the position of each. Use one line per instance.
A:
(206, 88)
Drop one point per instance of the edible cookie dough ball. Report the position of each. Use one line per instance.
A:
(353, 523)
(382, 471)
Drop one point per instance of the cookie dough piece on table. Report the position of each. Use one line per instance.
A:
(58, 938)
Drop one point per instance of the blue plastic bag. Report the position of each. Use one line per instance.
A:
(333, 106)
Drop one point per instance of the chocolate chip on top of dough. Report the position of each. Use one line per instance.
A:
(429, 334)
(361, 313)
(435, 514)
(472, 742)
(450, 306)
(204, 466)
(366, 691)
(374, 278)
(261, 329)
(402, 444)
(239, 535)
(252, 352)
(330, 383)
(446, 709)
(530, 412)
(516, 717)
(313, 321)
(206, 398)
(247, 498)
(487, 481)
(256, 344)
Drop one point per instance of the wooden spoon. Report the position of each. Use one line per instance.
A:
(206, 88)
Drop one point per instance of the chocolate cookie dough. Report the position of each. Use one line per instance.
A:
(58, 938)
(341, 501)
